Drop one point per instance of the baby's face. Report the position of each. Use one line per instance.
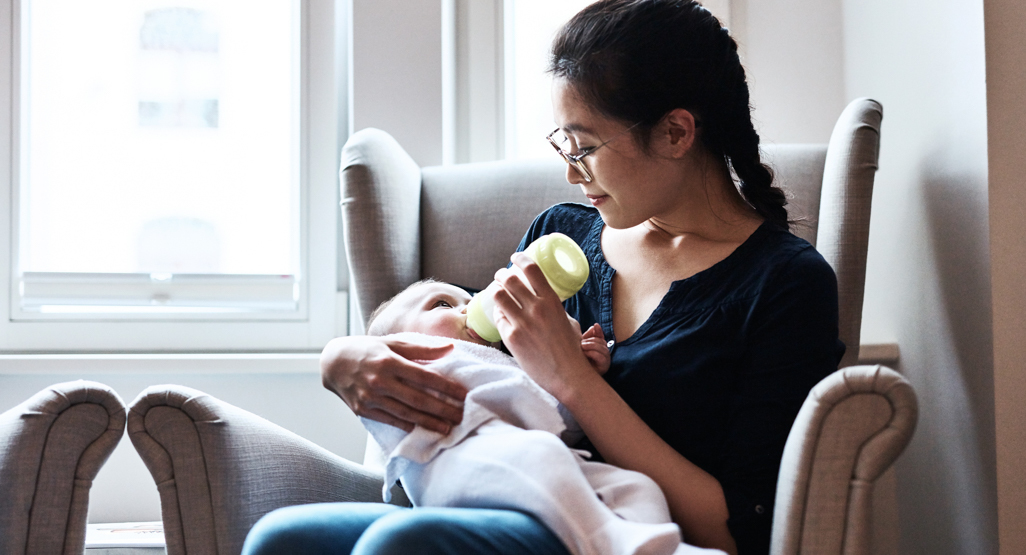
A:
(435, 309)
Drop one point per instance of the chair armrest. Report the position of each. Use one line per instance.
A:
(850, 429)
(218, 468)
(51, 448)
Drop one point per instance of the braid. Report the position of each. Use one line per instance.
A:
(757, 181)
(742, 152)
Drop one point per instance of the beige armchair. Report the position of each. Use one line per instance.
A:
(219, 469)
(51, 448)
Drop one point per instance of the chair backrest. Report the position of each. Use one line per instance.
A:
(460, 223)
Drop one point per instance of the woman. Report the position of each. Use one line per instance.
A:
(720, 320)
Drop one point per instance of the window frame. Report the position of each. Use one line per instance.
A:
(484, 76)
(306, 330)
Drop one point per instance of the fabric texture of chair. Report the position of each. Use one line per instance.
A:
(218, 468)
(51, 448)
(853, 425)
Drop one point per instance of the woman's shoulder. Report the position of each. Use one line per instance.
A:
(771, 259)
(796, 255)
(771, 246)
(783, 259)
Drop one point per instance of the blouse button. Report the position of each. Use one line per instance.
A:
(759, 509)
(610, 343)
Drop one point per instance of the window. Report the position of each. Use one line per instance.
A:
(530, 26)
(508, 117)
(165, 191)
(502, 103)
(179, 64)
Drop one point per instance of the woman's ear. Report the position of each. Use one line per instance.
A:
(677, 132)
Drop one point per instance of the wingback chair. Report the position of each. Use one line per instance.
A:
(219, 468)
(460, 223)
(51, 448)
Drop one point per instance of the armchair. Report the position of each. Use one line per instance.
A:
(219, 469)
(51, 448)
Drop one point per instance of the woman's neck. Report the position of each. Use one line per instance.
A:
(710, 206)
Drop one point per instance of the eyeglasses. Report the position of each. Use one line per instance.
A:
(562, 143)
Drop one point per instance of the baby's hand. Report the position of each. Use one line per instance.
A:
(593, 343)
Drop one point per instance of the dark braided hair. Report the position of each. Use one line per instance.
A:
(637, 60)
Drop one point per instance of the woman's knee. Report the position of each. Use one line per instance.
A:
(274, 532)
(312, 529)
(438, 531)
(410, 532)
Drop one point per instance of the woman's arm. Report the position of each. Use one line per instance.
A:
(378, 378)
(694, 496)
(537, 332)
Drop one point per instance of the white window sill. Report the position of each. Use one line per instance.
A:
(178, 363)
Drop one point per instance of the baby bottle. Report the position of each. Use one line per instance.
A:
(565, 268)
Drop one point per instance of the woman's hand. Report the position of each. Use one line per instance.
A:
(535, 328)
(378, 378)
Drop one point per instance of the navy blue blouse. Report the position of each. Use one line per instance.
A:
(721, 367)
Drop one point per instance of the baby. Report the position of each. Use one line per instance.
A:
(507, 452)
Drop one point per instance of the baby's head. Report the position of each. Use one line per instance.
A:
(429, 307)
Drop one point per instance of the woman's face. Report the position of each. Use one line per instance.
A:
(629, 185)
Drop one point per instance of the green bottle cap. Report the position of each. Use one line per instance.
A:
(562, 261)
(564, 265)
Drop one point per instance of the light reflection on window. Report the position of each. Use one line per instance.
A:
(160, 136)
(179, 68)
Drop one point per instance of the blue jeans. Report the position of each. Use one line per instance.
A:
(381, 529)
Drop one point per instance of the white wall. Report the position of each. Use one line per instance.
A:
(792, 51)
(397, 73)
(479, 81)
(928, 280)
